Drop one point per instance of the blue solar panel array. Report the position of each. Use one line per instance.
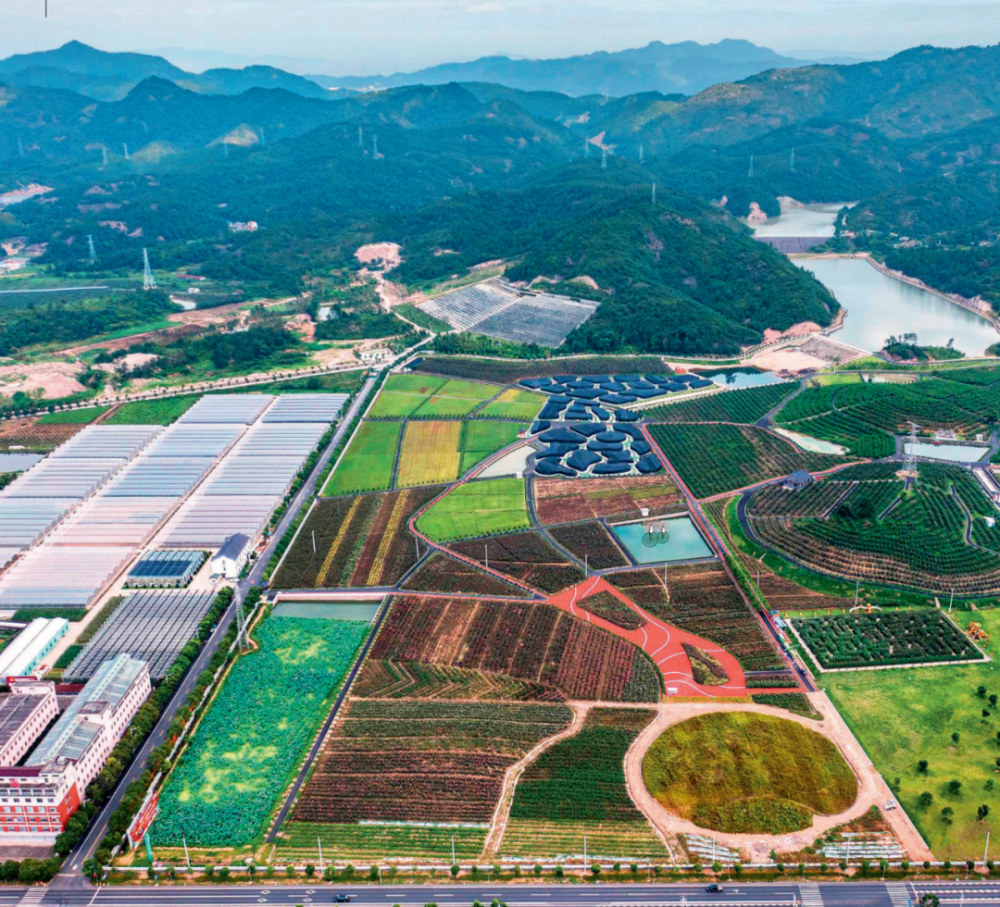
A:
(594, 449)
(589, 398)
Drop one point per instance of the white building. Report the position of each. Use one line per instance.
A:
(25, 654)
(24, 716)
(375, 355)
(231, 558)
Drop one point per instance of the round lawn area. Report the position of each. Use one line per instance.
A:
(740, 772)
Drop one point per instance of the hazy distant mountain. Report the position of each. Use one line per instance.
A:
(687, 67)
(107, 76)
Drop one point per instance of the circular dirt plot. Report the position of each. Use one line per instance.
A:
(743, 772)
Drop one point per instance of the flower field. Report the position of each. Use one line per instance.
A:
(704, 667)
(712, 459)
(430, 454)
(368, 462)
(426, 397)
(528, 641)
(524, 556)
(225, 784)
(577, 788)
(360, 541)
(561, 500)
(476, 509)
(422, 761)
(881, 534)
(884, 638)
(745, 406)
(446, 574)
(385, 679)
(703, 602)
(512, 370)
(164, 411)
(770, 775)
(590, 540)
(603, 604)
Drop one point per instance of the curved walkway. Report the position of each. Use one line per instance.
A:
(872, 789)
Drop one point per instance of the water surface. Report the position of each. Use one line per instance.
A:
(800, 220)
(955, 453)
(684, 542)
(330, 610)
(739, 378)
(879, 307)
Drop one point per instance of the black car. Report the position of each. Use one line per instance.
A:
(715, 889)
(342, 899)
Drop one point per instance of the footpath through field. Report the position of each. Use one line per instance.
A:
(663, 642)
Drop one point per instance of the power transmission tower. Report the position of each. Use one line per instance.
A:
(642, 157)
(148, 280)
(792, 167)
(20, 147)
(750, 174)
(126, 149)
(104, 155)
(604, 158)
(241, 625)
(361, 137)
(90, 247)
(910, 460)
(654, 193)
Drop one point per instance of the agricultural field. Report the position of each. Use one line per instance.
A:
(745, 406)
(704, 602)
(577, 788)
(884, 638)
(907, 715)
(590, 542)
(422, 761)
(607, 606)
(30, 435)
(370, 843)
(164, 411)
(513, 403)
(477, 509)
(368, 463)
(880, 533)
(430, 454)
(423, 397)
(770, 775)
(360, 541)
(532, 642)
(512, 370)
(712, 459)
(225, 784)
(73, 416)
(525, 557)
(441, 573)
(560, 500)
(482, 439)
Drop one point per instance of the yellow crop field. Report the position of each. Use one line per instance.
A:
(430, 453)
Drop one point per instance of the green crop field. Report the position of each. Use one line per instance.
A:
(577, 788)
(907, 715)
(514, 403)
(712, 459)
(745, 406)
(429, 396)
(73, 416)
(378, 842)
(152, 412)
(768, 775)
(225, 784)
(481, 439)
(476, 509)
(368, 462)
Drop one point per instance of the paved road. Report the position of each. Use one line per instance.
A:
(844, 894)
(71, 877)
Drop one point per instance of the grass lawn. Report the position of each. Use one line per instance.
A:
(480, 439)
(429, 395)
(905, 715)
(767, 774)
(476, 509)
(514, 404)
(152, 412)
(367, 464)
(73, 416)
(430, 454)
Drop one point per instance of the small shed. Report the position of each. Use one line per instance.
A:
(797, 480)
(230, 559)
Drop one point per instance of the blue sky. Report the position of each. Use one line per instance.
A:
(367, 36)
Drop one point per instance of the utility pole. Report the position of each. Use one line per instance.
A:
(374, 147)
(641, 155)
(104, 156)
(20, 147)
(857, 588)
(319, 844)
(90, 247)
(486, 549)
(314, 541)
(750, 174)
(361, 137)
(125, 144)
(452, 850)
(792, 168)
(148, 280)
(187, 856)
(654, 193)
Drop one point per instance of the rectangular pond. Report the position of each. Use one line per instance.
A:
(953, 453)
(683, 542)
(328, 610)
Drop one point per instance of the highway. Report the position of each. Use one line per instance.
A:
(71, 877)
(603, 894)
